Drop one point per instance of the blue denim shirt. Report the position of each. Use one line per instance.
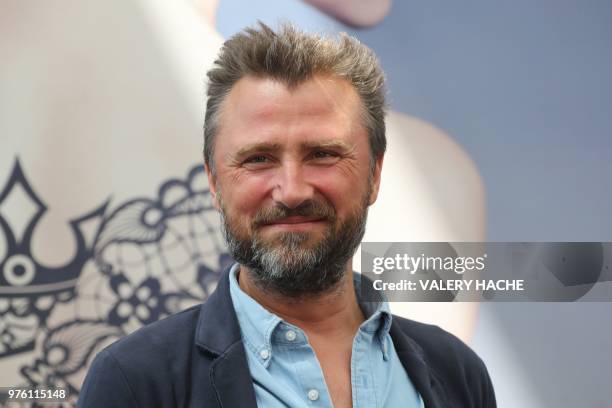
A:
(285, 369)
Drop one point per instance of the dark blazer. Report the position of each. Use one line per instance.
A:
(196, 359)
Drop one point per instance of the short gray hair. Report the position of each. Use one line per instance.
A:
(292, 56)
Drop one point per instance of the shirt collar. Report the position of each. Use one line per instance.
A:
(258, 325)
(377, 311)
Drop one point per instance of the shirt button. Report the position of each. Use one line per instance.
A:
(264, 354)
(313, 395)
(290, 335)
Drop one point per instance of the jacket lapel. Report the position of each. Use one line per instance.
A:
(421, 376)
(232, 380)
(218, 333)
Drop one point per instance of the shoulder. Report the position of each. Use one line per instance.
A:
(455, 364)
(155, 357)
(169, 336)
(437, 343)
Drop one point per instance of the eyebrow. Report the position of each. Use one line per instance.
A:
(328, 144)
(265, 147)
(255, 148)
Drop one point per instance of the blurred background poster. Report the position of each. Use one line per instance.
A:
(499, 130)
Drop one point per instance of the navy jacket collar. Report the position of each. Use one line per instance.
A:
(218, 311)
(229, 372)
(413, 360)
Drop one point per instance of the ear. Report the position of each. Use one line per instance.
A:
(212, 185)
(376, 179)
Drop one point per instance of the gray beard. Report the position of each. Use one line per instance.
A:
(291, 270)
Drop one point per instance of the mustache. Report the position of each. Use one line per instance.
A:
(310, 208)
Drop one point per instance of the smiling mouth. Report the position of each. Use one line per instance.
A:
(294, 221)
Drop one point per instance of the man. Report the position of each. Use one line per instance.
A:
(294, 145)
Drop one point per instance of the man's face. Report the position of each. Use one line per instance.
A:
(293, 180)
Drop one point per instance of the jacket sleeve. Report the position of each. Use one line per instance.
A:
(487, 391)
(463, 372)
(106, 385)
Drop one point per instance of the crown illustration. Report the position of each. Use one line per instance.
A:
(21, 275)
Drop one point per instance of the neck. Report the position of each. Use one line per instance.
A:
(333, 311)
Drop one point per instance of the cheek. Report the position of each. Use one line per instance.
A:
(343, 188)
(244, 197)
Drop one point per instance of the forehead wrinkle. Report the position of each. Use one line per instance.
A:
(347, 105)
(326, 103)
(277, 114)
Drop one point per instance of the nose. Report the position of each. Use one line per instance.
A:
(292, 188)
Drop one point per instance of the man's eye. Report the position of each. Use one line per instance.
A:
(257, 159)
(320, 154)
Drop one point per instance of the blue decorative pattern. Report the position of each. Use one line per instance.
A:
(147, 258)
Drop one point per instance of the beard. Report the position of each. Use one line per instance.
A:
(287, 263)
